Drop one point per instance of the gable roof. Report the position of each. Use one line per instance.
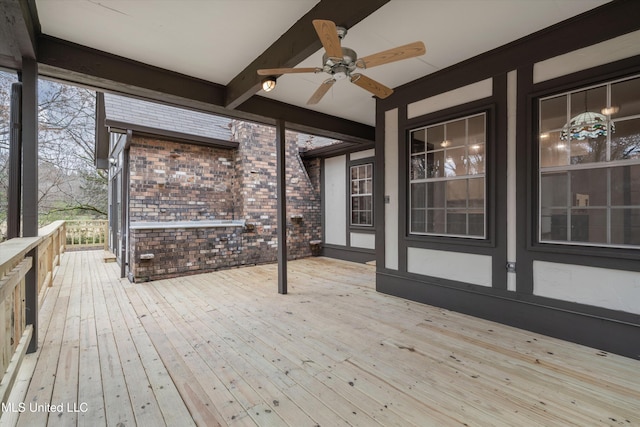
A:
(140, 115)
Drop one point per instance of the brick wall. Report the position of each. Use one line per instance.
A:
(181, 182)
(170, 181)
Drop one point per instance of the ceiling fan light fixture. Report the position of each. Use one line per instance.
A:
(269, 84)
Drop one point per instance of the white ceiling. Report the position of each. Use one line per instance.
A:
(216, 39)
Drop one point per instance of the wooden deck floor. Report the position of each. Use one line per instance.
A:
(225, 349)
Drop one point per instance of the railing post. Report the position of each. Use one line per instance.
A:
(31, 299)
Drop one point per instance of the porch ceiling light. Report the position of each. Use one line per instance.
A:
(269, 84)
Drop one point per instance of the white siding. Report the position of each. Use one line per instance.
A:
(335, 205)
(462, 267)
(613, 289)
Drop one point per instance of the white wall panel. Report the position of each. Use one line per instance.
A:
(512, 218)
(335, 200)
(462, 267)
(601, 287)
(362, 154)
(461, 95)
(608, 51)
(363, 240)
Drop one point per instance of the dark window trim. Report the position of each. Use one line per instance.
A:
(489, 107)
(353, 228)
(596, 256)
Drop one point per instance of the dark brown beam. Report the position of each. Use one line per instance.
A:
(71, 62)
(76, 64)
(298, 43)
(18, 32)
(303, 120)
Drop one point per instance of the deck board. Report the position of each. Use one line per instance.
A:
(226, 349)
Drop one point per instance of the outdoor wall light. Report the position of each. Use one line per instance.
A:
(269, 84)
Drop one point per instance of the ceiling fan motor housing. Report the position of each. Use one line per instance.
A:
(340, 68)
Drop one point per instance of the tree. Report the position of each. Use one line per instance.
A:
(70, 185)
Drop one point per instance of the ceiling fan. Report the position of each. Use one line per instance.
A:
(341, 62)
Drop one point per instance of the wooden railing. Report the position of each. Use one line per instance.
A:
(87, 234)
(15, 264)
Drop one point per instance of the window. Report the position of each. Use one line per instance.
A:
(589, 157)
(447, 178)
(362, 195)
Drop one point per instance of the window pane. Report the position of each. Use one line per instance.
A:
(368, 186)
(476, 159)
(354, 173)
(591, 100)
(625, 226)
(363, 218)
(435, 194)
(457, 222)
(354, 187)
(367, 203)
(625, 186)
(354, 217)
(368, 171)
(363, 187)
(436, 221)
(624, 97)
(553, 151)
(476, 131)
(589, 187)
(457, 193)
(417, 141)
(589, 225)
(419, 195)
(418, 220)
(435, 137)
(553, 225)
(476, 193)
(435, 164)
(553, 113)
(417, 167)
(455, 162)
(456, 133)
(625, 141)
(355, 203)
(476, 224)
(588, 150)
(553, 190)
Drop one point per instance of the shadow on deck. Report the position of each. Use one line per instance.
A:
(225, 348)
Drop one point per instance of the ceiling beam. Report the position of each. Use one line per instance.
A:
(297, 44)
(18, 32)
(64, 60)
(307, 121)
(72, 63)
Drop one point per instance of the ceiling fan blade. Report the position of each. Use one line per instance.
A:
(276, 71)
(321, 91)
(328, 34)
(367, 83)
(396, 54)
